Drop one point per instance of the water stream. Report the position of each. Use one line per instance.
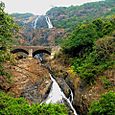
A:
(57, 96)
(35, 22)
(71, 96)
(47, 19)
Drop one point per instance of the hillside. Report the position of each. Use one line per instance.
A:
(69, 17)
(87, 64)
(35, 28)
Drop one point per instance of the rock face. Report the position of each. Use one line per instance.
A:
(29, 80)
(84, 94)
(40, 36)
(37, 30)
(29, 20)
(40, 22)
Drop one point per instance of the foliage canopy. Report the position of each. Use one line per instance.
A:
(91, 47)
(19, 106)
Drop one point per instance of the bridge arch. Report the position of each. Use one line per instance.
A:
(19, 50)
(40, 51)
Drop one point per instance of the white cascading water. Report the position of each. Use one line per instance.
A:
(35, 22)
(56, 95)
(48, 22)
(38, 56)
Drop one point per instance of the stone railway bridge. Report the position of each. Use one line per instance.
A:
(31, 51)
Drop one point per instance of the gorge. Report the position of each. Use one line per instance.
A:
(61, 63)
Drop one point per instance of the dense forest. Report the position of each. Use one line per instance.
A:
(63, 19)
(91, 47)
(69, 17)
(7, 29)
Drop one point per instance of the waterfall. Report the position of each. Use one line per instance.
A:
(35, 22)
(45, 20)
(48, 22)
(39, 56)
(56, 95)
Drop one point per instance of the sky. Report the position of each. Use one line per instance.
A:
(38, 7)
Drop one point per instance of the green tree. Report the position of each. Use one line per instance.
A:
(7, 29)
(80, 40)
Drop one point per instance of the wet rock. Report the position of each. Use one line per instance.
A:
(33, 92)
(63, 85)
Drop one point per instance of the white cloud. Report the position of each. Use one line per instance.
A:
(38, 6)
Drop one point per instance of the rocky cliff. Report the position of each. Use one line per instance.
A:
(29, 80)
(40, 36)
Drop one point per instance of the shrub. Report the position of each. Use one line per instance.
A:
(90, 64)
(19, 106)
(104, 106)
(82, 38)
(104, 48)
(106, 83)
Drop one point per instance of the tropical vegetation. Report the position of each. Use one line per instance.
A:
(90, 47)
(7, 29)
